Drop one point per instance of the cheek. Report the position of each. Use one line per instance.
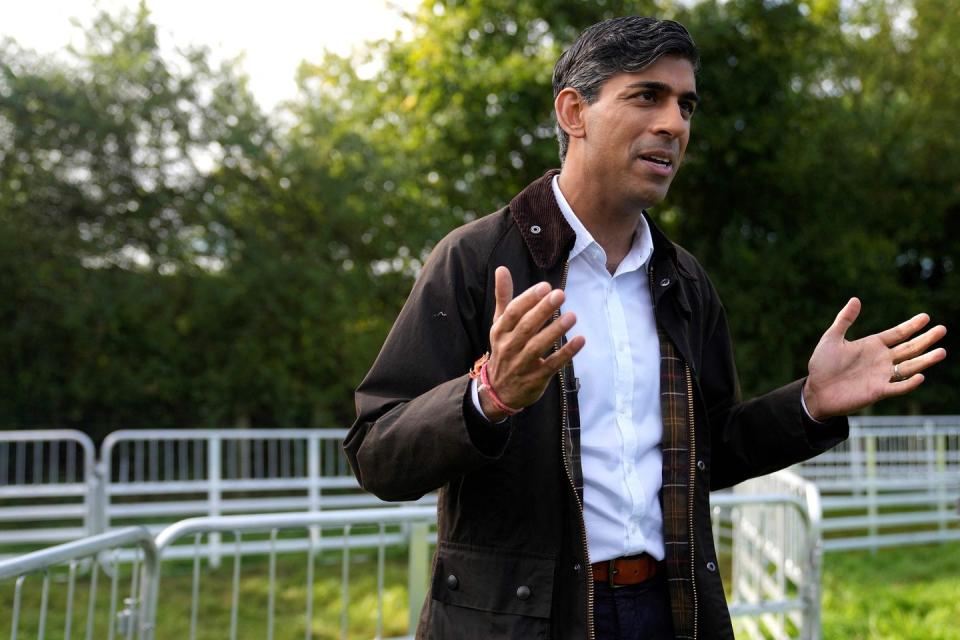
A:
(614, 129)
(683, 145)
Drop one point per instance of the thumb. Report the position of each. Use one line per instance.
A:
(845, 318)
(503, 291)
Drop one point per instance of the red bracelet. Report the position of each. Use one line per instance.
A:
(494, 398)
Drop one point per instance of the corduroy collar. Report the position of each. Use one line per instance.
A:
(545, 231)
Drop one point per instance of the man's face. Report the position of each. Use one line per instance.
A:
(637, 130)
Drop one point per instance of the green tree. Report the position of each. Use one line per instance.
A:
(172, 256)
(786, 196)
(103, 206)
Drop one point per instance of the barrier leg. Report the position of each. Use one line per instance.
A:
(417, 571)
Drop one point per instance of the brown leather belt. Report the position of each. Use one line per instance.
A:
(624, 571)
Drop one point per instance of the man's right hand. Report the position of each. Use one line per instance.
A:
(517, 370)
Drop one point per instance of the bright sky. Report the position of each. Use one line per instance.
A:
(276, 35)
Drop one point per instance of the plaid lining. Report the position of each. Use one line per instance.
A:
(573, 430)
(674, 494)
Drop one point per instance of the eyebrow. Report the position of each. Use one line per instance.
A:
(663, 87)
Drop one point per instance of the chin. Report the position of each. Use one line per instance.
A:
(647, 198)
(646, 191)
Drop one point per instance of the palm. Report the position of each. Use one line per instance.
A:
(846, 376)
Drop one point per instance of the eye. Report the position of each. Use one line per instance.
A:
(687, 107)
(646, 95)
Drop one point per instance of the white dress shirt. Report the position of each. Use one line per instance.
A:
(619, 398)
(619, 373)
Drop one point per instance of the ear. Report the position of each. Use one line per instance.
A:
(570, 108)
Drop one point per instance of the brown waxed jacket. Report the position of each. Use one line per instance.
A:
(511, 559)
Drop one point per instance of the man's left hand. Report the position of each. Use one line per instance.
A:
(845, 377)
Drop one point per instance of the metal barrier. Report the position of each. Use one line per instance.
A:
(895, 481)
(795, 544)
(888, 447)
(161, 476)
(163, 473)
(46, 487)
(369, 536)
(385, 523)
(775, 556)
(85, 560)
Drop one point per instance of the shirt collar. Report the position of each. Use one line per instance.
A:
(640, 250)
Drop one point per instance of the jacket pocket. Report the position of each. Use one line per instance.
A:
(480, 592)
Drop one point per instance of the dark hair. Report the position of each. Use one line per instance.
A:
(628, 44)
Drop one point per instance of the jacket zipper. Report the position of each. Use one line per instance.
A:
(690, 505)
(564, 422)
(693, 473)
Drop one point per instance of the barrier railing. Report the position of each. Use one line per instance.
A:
(775, 555)
(47, 486)
(402, 534)
(341, 524)
(888, 447)
(219, 471)
(167, 475)
(895, 481)
(79, 565)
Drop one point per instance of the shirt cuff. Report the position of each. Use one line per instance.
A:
(475, 397)
(803, 403)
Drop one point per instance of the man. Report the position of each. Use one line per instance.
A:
(573, 474)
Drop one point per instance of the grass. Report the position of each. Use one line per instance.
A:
(910, 593)
(290, 595)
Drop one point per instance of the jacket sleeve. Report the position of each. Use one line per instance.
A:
(416, 426)
(762, 435)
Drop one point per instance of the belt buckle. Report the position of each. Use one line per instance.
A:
(611, 572)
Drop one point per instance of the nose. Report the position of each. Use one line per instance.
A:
(670, 122)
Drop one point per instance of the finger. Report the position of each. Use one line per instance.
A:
(503, 290)
(904, 386)
(919, 344)
(896, 335)
(845, 318)
(533, 321)
(920, 363)
(517, 307)
(564, 354)
(546, 338)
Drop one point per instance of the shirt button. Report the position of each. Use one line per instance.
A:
(665, 282)
(711, 566)
(523, 592)
(701, 465)
(535, 229)
(452, 582)
(577, 567)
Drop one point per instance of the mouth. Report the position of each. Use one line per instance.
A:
(660, 163)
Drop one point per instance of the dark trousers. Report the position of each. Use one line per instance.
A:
(635, 612)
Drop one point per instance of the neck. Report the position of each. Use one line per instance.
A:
(611, 223)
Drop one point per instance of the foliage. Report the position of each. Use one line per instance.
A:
(172, 256)
(101, 200)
